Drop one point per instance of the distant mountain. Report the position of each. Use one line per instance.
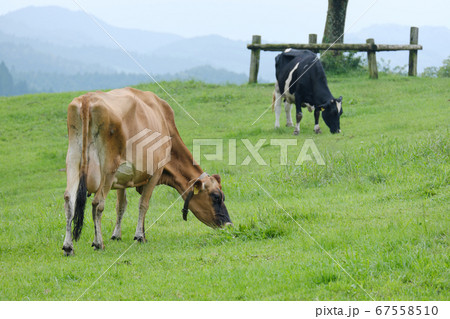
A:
(57, 82)
(9, 85)
(207, 74)
(42, 45)
(68, 28)
(213, 50)
(74, 36)
(29, 55)
(53, 40)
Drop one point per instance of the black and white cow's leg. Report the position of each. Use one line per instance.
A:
(310, 107)
(277, 104)
(120, 210)
(316, 121)
(287, 108)
(298, 114)
(98, 205)
(147, 192)
(298, 117)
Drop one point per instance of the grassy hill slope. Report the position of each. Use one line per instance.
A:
(379, 206)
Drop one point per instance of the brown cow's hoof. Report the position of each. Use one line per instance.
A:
(140, 239)
(68, 251)
(114, 237)
(98, 246)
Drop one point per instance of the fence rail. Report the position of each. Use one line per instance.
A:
(370, 47)
(336, 46)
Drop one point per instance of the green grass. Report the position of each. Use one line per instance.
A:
(380, 205)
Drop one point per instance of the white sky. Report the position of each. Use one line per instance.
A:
(275, 20)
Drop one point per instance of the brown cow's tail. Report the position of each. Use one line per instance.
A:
(273, 101)
(80, 202)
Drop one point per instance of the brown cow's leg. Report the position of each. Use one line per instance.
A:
(147, 192)
(69, 205)
(69, 199)
(98, 205)
(120, 210)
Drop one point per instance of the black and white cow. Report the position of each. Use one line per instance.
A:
(301, 80)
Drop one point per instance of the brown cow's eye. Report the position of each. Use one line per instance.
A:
(216, 198)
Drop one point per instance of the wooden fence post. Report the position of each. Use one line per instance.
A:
(313, 40)
(254, 61)
(413, 39)
(372, 60)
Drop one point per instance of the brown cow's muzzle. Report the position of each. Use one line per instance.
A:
(222, 218)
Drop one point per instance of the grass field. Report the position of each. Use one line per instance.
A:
(379, 207)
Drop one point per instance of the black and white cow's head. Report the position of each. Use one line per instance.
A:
(331, 112)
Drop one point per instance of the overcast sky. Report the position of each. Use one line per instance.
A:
(279, 20)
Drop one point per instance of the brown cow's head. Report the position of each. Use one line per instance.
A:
(206, 200)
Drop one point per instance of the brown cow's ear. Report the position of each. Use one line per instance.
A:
(217, 177)
(197, 187)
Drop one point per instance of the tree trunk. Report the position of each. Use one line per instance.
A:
(335, 24)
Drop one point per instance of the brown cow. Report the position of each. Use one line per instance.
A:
(107, 133)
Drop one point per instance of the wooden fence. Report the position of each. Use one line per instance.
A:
(370, 47)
